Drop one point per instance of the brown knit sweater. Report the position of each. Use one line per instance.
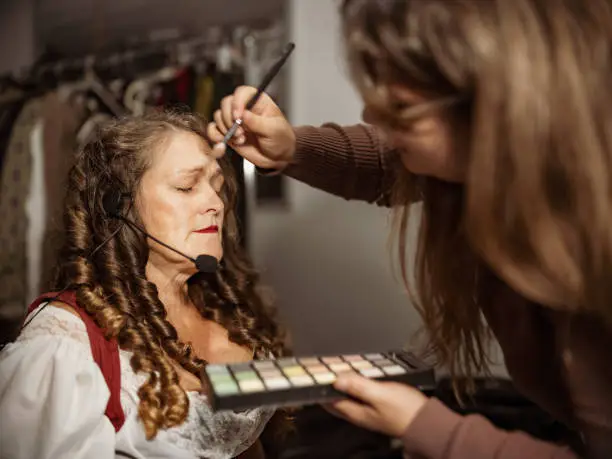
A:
(558, 361)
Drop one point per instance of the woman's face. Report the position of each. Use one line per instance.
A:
(426, 145)
(179, 201)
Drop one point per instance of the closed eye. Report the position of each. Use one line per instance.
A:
(185, 190)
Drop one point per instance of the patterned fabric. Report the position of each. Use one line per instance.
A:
(61, 123)
(16, 175)
(204, 434)
(105, 352)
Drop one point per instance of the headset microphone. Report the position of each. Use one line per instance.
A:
(112, 202)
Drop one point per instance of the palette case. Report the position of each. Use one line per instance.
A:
(297, 381)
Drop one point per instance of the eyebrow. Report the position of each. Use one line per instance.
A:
(198, 170)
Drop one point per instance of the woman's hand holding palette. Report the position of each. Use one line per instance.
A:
(302, 381)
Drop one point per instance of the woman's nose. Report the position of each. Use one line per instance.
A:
(212, 204)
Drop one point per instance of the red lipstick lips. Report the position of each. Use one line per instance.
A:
(209, 229)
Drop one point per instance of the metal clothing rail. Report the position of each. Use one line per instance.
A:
(174, 50)
(248, 50)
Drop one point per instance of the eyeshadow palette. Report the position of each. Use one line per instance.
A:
(302, 381)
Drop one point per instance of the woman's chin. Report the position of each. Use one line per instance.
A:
(217, 254)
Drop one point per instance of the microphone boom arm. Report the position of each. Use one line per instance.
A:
(135, 226)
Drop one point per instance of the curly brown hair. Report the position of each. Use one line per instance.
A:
(111, 285)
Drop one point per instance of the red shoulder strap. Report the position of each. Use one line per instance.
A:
(105, 353)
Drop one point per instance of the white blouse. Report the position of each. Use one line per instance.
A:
(53, 398)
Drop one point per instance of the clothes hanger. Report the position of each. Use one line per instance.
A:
(90, 82)
(13, 88)
(137, 92)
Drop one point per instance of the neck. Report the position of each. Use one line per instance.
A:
(171, 288)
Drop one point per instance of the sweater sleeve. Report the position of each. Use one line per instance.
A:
(439, 433)
(352, 162)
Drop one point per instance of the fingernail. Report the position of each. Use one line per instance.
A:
(240, 140)
(219, 148)
(236, 114)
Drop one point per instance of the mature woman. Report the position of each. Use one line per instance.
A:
(496, 115)
(58, 397)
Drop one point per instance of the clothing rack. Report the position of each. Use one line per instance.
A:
(229, 52)
(56, 105)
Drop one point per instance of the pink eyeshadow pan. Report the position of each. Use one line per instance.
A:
(316, 369)
(340, 367)
(361, 364)
(331, 360)
(270, 374)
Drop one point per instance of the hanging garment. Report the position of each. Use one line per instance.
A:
(61, 123)
(225, 83)
(204, 96)
(36, 212)
(186, 86)
(16, 176)
(180, 91)
(8, 115)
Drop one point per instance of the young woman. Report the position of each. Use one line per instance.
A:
(496, 116)
(57, 397)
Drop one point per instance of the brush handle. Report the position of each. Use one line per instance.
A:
(260, 90)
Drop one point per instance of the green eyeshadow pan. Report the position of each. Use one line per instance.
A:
(226, 388)
(242, 375)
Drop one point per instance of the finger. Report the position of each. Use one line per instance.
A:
(242, 95)
(240, 135)
(213, 133)
(219, 121)
(254, 157)
(361, 388)
(218, 150)
(257, 124)
(226, 111)
(355, 413)
(331, 410)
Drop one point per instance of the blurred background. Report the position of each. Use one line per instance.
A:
(79, 62)
(326, 259)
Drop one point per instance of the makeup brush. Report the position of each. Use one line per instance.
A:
(260, 89)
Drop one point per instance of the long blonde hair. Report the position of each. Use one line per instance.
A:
(536, 119)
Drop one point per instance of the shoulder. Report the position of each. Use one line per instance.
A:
(49, 377)
(64, 306)
(54, 320)
(52, 349)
